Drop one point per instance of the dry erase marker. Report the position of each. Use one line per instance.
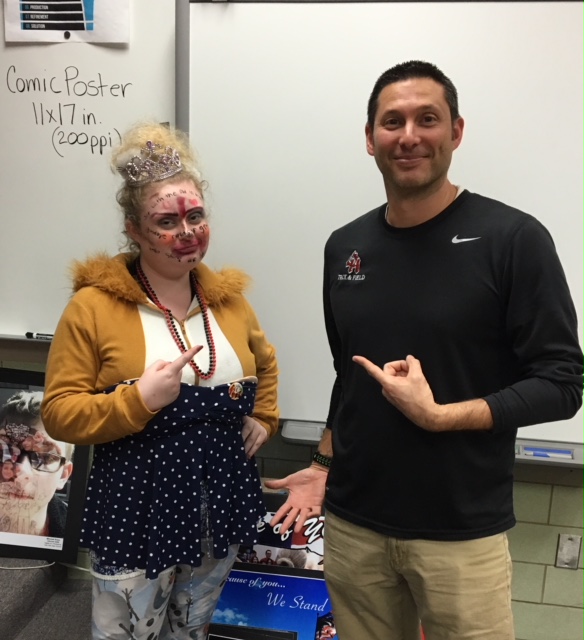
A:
(546, 452)
(38, 336)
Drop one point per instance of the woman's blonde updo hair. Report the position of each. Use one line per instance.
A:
(131, 198)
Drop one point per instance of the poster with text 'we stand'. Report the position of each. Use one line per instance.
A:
(273, 603)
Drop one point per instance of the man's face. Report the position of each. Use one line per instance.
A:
(413, 136)
(31, 489)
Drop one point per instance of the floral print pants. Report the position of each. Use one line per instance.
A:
(176, 605)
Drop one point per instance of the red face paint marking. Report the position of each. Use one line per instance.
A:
(180, 203)
(175, 224)
(184, 205)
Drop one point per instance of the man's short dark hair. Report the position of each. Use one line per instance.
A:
(24, 407)
(407, 71)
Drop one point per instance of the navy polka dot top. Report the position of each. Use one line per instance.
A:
(143, 507)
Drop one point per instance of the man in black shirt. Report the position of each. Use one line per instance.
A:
(456, 308)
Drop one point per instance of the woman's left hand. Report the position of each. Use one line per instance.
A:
(253, 434)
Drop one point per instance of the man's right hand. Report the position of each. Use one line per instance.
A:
(305, 497)
(159, 385)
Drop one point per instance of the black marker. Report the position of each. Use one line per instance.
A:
(38, 336)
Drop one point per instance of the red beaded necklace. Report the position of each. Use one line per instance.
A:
(172, 327)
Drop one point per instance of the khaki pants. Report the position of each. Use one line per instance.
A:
(381, 587)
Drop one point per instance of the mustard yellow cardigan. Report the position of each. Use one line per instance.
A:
(99, 342)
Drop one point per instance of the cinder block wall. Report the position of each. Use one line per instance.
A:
(278, 458)
(547, 601)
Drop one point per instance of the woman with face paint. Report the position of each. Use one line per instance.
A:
(161, 364)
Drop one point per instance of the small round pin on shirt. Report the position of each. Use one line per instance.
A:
(235, 390)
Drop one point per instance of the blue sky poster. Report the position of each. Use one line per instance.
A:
(276, 600)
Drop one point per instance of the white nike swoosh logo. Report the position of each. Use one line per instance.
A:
(456, 239)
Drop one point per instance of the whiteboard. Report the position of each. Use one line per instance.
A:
(277, 110)
(62, 107)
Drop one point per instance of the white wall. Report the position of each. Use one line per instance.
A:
(277, 103)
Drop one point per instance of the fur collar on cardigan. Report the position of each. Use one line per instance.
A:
(112, 276)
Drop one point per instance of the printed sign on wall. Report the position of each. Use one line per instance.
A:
(70, 21)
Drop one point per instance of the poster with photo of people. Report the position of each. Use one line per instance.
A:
(295, 550)
(42, 480)
(276, 588)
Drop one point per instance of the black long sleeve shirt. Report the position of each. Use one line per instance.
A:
(479, 296)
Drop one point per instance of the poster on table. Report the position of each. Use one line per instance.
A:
(295, 550)
(276, 590)
(97, 21)
(273, 603)
(42, 480)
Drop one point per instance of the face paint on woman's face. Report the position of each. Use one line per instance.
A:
(174, 223)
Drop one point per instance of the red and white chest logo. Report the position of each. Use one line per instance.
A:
(353, 266)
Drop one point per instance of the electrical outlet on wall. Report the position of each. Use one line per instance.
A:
(568, 553)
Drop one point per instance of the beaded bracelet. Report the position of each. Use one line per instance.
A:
(320, 458)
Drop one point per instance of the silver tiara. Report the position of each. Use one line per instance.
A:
(153, 164)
